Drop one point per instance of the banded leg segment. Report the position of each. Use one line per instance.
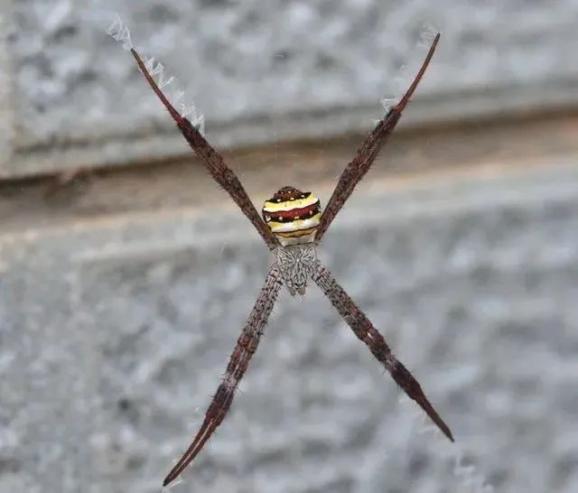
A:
(214, 162)
(366, 332)
(238, 363)
(368, 151)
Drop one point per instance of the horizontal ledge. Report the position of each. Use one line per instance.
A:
(134, 147)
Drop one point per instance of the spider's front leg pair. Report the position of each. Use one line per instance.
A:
(292, 225)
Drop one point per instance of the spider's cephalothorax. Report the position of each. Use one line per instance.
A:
(297, 264)
(292, 216)
(291, 227)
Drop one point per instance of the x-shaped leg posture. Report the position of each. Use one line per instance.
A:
(292, 225)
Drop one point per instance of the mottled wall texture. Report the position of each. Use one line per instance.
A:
(115, 335)
(72, 96)
(116, 325)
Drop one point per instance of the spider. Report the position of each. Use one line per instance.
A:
(292, 224)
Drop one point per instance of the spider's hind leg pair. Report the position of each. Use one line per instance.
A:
(292, 224)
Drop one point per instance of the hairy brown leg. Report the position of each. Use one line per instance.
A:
(367, 333)
(214, 162)
(238, 363)
(366, 154)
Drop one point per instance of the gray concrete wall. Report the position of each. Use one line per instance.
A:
(121, 300)
(263, 71)
(115, 334)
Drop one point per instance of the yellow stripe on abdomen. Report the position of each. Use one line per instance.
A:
(295, 225)
(297, 234)
(287, 205)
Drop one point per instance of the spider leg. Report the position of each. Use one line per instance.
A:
(367, 333)
(368, 151)
(214, 162)
(238, 363)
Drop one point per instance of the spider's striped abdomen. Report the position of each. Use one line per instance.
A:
(292, 215)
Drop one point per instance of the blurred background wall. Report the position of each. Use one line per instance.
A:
(126, 274)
